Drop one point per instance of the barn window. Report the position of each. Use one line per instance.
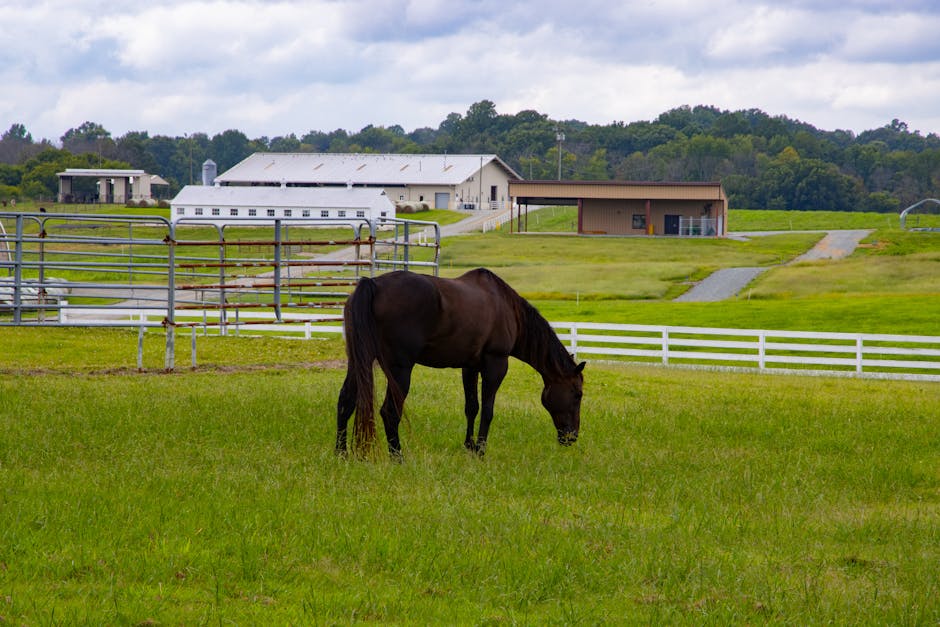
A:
(360, 214)
(233, 212)
(288, 213)
(305, 213)
(215, 211)
(198, 211)
(180, 211)
(270, 213)
(252, 212)
(639, 221)
(342, 213)
(325, 213)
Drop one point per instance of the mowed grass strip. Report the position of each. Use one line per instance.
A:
(691, 496)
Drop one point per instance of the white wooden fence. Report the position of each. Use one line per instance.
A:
(914, 357)
(803, 352)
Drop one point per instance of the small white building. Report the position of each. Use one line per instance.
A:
(443, 181)
(294, 205)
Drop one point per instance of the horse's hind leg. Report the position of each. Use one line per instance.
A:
(392, 408)
(345, 407)
(471, 404)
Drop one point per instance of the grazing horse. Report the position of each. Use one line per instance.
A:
(474, 322)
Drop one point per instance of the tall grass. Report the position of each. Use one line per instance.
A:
(691, 497)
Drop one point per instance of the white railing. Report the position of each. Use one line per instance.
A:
(701, 227)
(497, 221)
(801, 352)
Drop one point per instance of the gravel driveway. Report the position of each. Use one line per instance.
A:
(728, 282)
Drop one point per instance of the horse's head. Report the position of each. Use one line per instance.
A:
(562, 398)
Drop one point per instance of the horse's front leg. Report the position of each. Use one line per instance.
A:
(471, 404)
(345, 407)
(493, 372)
(393, 406)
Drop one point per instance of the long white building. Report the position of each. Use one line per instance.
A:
(294, 205)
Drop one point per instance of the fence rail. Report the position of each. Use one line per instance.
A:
(857, 354)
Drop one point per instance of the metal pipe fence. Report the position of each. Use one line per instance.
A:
(90, 265)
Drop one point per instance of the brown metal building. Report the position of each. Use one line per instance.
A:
(631, 208)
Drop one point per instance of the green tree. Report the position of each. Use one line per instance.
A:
(89, 137)
(596, 167)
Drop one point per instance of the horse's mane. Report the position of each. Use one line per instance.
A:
(536, 343)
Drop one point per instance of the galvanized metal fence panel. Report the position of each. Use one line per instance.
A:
(90, 269)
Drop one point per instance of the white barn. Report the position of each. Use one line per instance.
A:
(443, 181)
(294, 205)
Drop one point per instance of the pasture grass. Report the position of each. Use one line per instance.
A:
(691, 497)
(559, 267)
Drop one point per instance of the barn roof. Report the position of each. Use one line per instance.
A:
(282, 197)
(358, 169)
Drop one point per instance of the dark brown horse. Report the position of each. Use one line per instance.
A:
(475, 322)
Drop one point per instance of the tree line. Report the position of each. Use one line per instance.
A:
(764, 161)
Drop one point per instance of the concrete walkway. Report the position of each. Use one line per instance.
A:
(729, 282)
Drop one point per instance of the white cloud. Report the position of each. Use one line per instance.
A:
(271, 68)
(770, 33)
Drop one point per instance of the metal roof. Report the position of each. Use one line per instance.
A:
(99, 172)
(283, 197)
(358, 169)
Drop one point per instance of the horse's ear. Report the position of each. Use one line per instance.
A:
(580, 367)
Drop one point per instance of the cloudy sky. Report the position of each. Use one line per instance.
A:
(271, 68)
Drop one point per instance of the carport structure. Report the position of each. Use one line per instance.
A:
(111, 186)
(633, 208)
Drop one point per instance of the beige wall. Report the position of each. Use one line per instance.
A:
(615, 217)
(493, 174)
(466, 192)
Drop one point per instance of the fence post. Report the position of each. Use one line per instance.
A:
(277, 270)
(574, 341)
(761, 350)
(859, 354)
(140, 348)
(665, 347)
(193, 346)
(170, 321)
(18, 273)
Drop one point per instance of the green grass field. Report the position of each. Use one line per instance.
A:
(692, 497)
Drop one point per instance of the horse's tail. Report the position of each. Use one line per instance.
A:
(362, 349)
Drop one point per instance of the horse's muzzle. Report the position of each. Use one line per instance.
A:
(567, 438)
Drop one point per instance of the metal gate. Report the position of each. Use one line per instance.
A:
(90, 270)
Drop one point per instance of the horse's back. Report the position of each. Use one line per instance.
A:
(443, 322)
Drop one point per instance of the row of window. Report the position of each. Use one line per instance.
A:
(272, 213)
